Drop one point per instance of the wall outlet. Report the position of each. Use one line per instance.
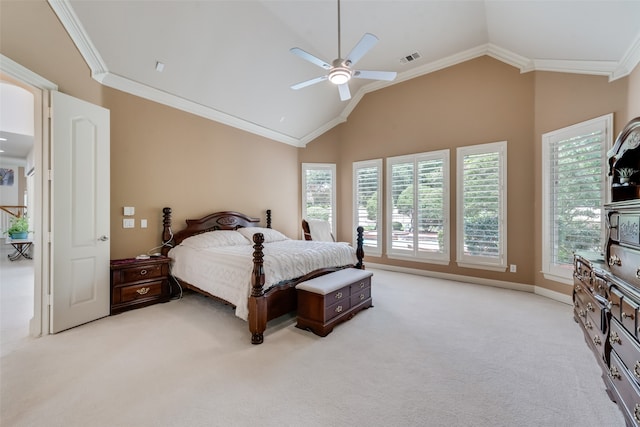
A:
(513, 268)
(128, 223)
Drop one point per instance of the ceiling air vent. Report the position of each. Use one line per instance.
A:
(410, 58)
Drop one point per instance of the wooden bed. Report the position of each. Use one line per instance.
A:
(264, 304)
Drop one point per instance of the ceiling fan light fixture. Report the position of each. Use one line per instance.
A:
(339, 75)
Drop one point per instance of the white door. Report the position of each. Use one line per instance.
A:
(80, 212)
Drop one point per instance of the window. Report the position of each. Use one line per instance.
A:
(367, 203)
(418, 207)
(574, 190)
(319, 192)
(481, 206)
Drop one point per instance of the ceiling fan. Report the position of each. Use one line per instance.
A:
(341, 71)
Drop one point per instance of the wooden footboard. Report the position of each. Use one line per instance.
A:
(263, 304)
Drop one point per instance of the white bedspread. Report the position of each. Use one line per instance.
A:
(226, 271)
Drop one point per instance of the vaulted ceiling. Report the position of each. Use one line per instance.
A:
(230, 61)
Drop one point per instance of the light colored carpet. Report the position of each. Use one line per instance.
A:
(429, 353)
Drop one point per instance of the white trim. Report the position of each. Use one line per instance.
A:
(40, 87)
(413, 253)
(334, 185)
(544, 292)
(100, 72)
(376, 163)
(477, 261)
(554, 271)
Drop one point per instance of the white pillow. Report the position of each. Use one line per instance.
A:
(212, 239)
(270, 235)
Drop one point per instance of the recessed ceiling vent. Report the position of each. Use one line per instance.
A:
(410, 58)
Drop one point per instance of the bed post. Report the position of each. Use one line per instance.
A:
(257, 302)
(268, 218)
(167, 235)
(360, 248)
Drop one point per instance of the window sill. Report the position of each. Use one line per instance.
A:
(500, 268)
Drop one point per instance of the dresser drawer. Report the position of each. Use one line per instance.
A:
(624, 310)
(336, 296)
(358, 296)
(588, 305)
(625, 388)
(625, 263)
(627, 348)
(360, 285)
(143, 272)
(337, 309)
(144, 290)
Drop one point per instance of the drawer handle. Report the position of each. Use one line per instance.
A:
(582, 313)
(143, 272)
(636, 369)
(625, 315)
(614, 373)
(143, 291)
(615, 338)
(339, 295)
(362, 283)
(638, 273)
(361, 297)
(615, 260)
(590, 307)
(578, 289)
(636, 412)
(597, 341)
(588, 325)
(339, 309)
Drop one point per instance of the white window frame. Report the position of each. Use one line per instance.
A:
(561, 272)
(414, 254)
(365, 164)
(498, 263)
(322, 167)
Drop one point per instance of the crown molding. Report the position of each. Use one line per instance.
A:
(17, 71)
(629, 61)
(76, 31)
(68, 18)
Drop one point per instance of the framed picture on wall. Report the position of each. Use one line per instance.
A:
(6, 176)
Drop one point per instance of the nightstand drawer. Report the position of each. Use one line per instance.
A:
(143, 272)
(138, 283)
(140, 291)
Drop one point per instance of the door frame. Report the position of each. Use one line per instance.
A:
(40, 88)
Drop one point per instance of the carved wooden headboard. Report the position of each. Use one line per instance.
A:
(224, 220)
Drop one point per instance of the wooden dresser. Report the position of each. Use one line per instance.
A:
(607, 286)
(137, 283)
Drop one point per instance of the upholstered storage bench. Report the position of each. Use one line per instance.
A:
(327, 300)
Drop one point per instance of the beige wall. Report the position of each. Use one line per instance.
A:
(164, 157)
(159, 156)
(563, 100)
(634, 94)
(479, 101)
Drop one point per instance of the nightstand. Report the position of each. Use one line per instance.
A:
(139, 282)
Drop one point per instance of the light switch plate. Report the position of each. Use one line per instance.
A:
(143, 223)
(128, 223)
(129, 210)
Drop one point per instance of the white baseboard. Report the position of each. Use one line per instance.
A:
(547, 293)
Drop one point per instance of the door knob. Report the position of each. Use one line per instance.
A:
(103, 238)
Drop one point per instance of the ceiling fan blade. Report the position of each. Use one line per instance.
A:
(309, 82)
(375, 75)
(366, 42)
(345, 94)
(308, 57)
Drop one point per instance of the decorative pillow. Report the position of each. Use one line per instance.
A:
(212, 239)
(270, 235)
